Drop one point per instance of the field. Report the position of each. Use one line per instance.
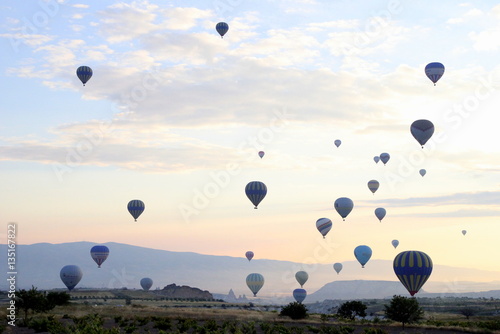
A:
(132, 311)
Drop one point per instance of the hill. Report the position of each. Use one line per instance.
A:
(40, 264)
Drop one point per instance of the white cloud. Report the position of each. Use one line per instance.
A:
(80, 5)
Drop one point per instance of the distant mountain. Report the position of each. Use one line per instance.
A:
(358, 289)
(40, 264)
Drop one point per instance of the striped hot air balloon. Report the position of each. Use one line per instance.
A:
(413, 269)
(99, 253)
(136, 208)
(434, 71)
(324, 225)
(256, 191)
(255, 282)
(222, 28)
(84, 73)
(373, 185)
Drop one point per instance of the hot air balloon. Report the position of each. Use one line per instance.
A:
(261, 154)
(384, 157)
(299, 295)
(221, 28)
(249, 255)
(363, 254)
(376, 159)
(71, 275)
(84, 73)
(99, 253)
(395, 243)
(337, 142)
(464, 232)
(380, 213)
(301, 277)
(344, 206)
(422, 130)
(146, 283)
(434, 71)
(324, 225)
(255, 282)
(136, 208)
(373, 185)
(337, 267)
(422, 172)
(256, 191)
(412, 268)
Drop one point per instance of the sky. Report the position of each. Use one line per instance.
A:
(174, 115)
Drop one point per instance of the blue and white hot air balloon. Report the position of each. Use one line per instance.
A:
(222, 28)
(344, 206)
(256, 191)
(84, 73)
(71, 276)
(299, 295)
(434, 71)
(324, 225)
(146, 283)
(136, 208)
(363, 254)
(255, 282)
(422, 131)
(99, 254)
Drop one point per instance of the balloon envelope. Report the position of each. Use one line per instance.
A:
(99, 253)
(261, 154)
(412, 268)
(337, 142)
(222, 28)
(363, 254)
(434, 71)
(344, 206)
(373, 185)
(256, 191)
(422, 130)
(84, 73)
(337, 267)
(464, 232)
(299, 295)
(422, 172)
(395, 243)
(324, 225)
(301, 277)
(136, 208)
(255, 282)
(249, 255)
(376, 159)
(71, 275)
(380, 213)
(146, 283)
(384, 157)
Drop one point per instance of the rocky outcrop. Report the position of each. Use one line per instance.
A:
(184, 292)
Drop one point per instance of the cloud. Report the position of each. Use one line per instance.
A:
(466, 198)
